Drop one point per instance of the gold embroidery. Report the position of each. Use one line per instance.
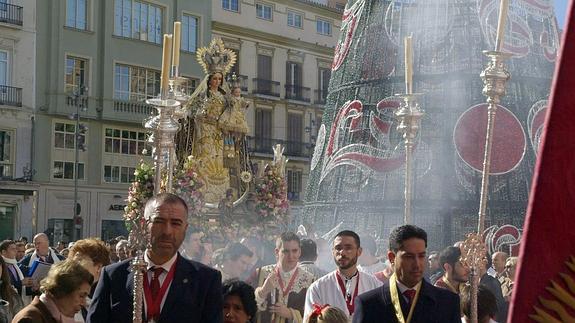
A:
(563, 298)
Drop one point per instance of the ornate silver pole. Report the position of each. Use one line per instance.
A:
(495, 76)
(409, 115)
(164, 134)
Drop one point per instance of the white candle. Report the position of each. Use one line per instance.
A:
(166, 58)
(408, 65)
(177, 40)
(503, 8)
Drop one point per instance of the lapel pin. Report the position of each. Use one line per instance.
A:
(185, 281)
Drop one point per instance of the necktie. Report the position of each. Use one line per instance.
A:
(155, 285)
(410, 294)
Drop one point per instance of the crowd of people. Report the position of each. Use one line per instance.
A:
(186, 280)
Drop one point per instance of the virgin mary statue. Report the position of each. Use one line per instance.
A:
(201, 134)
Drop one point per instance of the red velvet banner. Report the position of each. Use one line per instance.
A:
(549, 231)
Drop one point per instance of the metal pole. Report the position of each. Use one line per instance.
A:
(75, 230)
(495, 76)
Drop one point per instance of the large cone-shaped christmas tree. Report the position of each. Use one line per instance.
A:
(357, 170)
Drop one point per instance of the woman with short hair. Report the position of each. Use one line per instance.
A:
(64, 293)
(91, 253)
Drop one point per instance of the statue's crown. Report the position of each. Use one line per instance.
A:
(216, 58)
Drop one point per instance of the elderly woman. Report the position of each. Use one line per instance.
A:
(64, 293)
(92, 254)
(239, 302)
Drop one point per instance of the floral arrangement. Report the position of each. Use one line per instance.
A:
(271, 194)
(187, 185)
(140, 191)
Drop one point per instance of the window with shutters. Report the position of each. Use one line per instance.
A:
(263, 130)
(265, 67)
(294, 134)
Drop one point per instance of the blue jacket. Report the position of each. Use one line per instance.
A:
(195, 295)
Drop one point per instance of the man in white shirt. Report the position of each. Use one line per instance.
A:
(340, 287)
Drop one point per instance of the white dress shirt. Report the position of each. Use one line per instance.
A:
(150, 273)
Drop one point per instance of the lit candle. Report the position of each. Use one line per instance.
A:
(177, 40)
(503, 8)
(166, 58)
(408, 65)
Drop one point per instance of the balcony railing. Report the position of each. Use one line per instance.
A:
(319, 97)
(298, 93)
(10, 95)
(292, 148)
(133, 107)
(243, 82)
(11, 14)
(266, 87)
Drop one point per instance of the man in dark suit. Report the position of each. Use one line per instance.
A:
(407, 297)
(176, 289)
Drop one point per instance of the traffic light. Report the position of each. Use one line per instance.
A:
(81, 136)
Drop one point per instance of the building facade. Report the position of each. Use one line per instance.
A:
(285, 49)
(97, 62)
(17, 105)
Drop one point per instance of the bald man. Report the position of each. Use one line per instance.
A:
(498, 260)
(43, 253)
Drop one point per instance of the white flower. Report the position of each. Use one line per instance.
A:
(246, 176)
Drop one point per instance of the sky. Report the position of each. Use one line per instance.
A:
(560, 10)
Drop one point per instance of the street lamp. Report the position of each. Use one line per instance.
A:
(79, 99)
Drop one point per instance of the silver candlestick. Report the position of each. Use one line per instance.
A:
(409, 115)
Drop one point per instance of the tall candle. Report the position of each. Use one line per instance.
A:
(503, 8)
(177, 40)
(166, 58)
(408, 65)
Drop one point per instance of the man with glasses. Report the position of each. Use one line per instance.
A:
(340, 287)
